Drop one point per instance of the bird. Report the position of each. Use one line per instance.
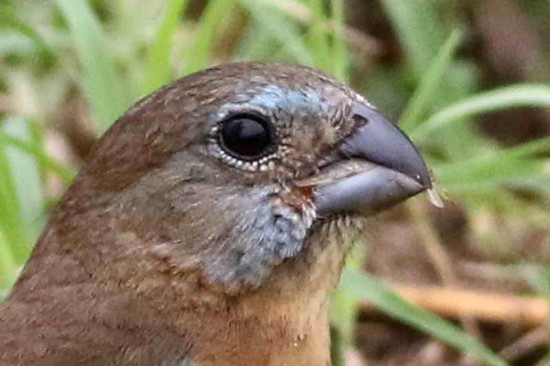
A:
(209, 225)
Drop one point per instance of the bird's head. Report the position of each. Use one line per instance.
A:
(227, 172)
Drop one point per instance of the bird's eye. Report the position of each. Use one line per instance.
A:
(246, 137)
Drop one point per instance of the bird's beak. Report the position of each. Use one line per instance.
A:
(375, 167)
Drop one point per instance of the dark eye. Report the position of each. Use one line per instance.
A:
(247, 137)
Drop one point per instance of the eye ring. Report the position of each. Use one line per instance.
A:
(246, 136)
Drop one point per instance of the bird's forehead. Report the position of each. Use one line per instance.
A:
(296, 101)
(273, 96)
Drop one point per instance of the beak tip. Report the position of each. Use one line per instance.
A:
(423, 177)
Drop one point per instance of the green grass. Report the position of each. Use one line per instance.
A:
(102, 83)
(159, 54)
(54, 45)
(359, 285)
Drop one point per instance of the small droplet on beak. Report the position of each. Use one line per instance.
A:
(434, 197)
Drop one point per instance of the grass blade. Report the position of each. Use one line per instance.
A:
(419, 28)
(8, 265)
(9, 17)
(430, 82)
(476, 174)
(210, 24)
(500, 167)
(26, 176)
(529, 149)
(159, 54)
(363, 286)
(11, 222)
(103, 85)
(423, 26)
(62, 171)
(340, 55)
(523, 95)
(281, 28)
(318, 39)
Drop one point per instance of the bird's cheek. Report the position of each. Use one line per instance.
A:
(245, 233)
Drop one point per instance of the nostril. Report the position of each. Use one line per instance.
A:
(360, 120)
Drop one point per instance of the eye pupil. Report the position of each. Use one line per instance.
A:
(246, 137)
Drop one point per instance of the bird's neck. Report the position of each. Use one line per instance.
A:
(284, 322)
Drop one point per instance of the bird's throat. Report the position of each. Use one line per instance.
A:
(282, 323)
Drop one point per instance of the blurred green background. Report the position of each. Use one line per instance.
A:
(467, 80)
